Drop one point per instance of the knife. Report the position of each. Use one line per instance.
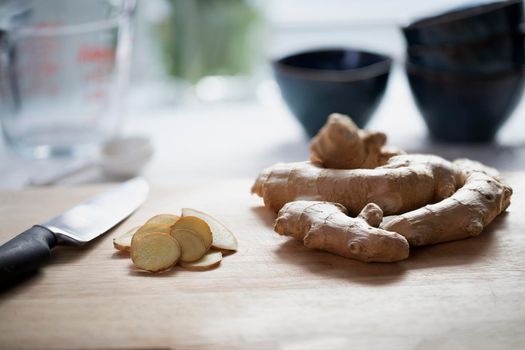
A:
(76, 226)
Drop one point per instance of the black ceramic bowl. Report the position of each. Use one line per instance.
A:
(466, 24)
(498, 54)
(317, 83)
(465, 108)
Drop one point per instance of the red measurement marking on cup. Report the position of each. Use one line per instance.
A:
(100, 61)
(95, 54)
(37, 65)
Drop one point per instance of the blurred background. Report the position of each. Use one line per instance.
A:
(202, 94)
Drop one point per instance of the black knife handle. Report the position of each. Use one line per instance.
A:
(26, 252)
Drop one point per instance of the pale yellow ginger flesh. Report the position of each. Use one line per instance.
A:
(192, 245)
(462, 215)
(123, 242)
(222, 238)
(167, 239)
(340, 144)
(153, 228)
(163, 219)
(209, 261)
(405, 183)
(197, 226)
(155, 251)
(147, 228)
(325, 226)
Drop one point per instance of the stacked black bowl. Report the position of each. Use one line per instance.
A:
(466, 69)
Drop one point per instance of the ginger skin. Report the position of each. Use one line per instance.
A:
(340, 144)
(460, 216)
(325, 226)
(405, 183)
(433, 200)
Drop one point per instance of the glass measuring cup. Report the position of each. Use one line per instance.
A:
(63, 71)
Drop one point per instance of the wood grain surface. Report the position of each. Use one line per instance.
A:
(272, 294)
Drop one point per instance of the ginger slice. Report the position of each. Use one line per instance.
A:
(192, 245)
(197, 226)
(154, 228)
(208, 261)
(223, 238)
(155, 251)
(146, 228)
(163, 219)
(123, 242)
(325, 226)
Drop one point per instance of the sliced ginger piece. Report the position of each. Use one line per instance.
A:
(197, 226)
(155, 251)
(163, 219)
(123, 242)
(223, 238)
(192, 245)
(147, 228)
(208, 261)
(154, 228)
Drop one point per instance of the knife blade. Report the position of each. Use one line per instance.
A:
(76, 226)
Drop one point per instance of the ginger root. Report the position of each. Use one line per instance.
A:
(340, 144)
(325, 226)
(405, 183)
(462, 215)
(433, 200)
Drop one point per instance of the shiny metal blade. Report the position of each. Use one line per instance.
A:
(98, 214)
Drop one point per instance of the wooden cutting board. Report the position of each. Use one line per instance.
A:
(273, 294)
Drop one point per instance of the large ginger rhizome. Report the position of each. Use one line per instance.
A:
(430, 200)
